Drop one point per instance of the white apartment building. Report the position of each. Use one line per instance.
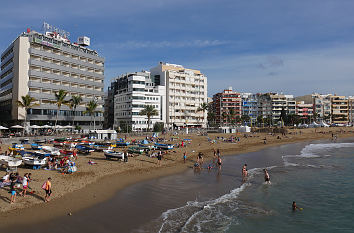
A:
(280, 102)
(42, 64)
(132, 92)
(186, 90)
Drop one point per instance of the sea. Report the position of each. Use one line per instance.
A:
(318, 176)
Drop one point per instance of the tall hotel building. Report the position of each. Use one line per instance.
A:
(42, 64)
(186, 90)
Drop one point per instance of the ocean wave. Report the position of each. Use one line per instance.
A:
(199, 216)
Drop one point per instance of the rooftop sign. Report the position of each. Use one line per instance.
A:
(50, 28)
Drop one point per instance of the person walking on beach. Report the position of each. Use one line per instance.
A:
(48, 189)
(266, 176)
(159, 157)
(184, 157)
(24, 184)
(125, 154)
(13, 191)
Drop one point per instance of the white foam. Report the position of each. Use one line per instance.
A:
(312, 150)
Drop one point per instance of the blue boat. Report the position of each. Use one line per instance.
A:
(164, 146)
(36, 146)
(122, 144)
(84, 149)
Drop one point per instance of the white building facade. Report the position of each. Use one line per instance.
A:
(186, 90)
(133, 92)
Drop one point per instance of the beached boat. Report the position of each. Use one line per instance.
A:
(51, 150)
(164, 146)
(36, 146)
(16, 146)
(122, 144)
(9, 161)
(84, 149)
(110, 154)
(34, 161)
(102, 147)
(136, 150)
(39, 140)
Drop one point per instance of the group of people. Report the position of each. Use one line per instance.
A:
(245, 174)
(14, 181)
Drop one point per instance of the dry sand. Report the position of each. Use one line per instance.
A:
(96, 183)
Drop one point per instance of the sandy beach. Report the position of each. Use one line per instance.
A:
(95, 183)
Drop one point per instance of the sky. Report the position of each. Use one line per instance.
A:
(295, 47)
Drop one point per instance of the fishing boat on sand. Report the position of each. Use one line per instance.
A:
(110, 154)
(164, 146)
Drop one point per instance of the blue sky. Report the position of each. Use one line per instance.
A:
(296, 47)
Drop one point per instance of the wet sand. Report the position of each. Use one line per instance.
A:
(97, 183)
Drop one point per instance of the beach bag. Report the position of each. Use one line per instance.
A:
(44, 185)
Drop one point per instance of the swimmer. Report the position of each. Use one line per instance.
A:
(266, 176)
(295, 207)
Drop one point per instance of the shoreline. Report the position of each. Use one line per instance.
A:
(105, 187)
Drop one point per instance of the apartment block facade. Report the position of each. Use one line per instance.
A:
(339, 109)
(227, 106)
(304, 110)
(186, 90)
(132, 92)
(42, 64)
(322, 106)
(250, 106)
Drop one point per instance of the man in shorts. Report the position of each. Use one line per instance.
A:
(24, 184)
(48, 189)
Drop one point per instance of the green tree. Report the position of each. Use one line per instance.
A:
(91, 110)
(27, 103)
(224, 116)
(231, 116)
(245, 118)
(59, 101)
(74, 102)
(158, 127)
(203, 108)
(148, 111)
(211, 118)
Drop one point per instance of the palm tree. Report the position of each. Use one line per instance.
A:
(74, 102)
(224, 115)
(203, 108)
(59, 101)
(211, 118)
(91, 110)
(148, 111)
(26, 103)
(231, 116)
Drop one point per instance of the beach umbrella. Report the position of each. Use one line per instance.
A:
(46, 126)
(68, 127)
(2, 127)
(17, 127)
(35, 127)
(58, 127)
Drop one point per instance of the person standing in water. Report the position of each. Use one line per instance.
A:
(244, 171)
(266, 176)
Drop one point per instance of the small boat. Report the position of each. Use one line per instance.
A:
(9, 161)
(39, 140)
(122, 144)
(110, 154)
(34, 161)
(102, 147)
(136, 150)
(16, 146)
(164, 146)
(36, 146)
(51, 150)
(84, 149)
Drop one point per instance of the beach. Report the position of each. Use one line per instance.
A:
(94, 184)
